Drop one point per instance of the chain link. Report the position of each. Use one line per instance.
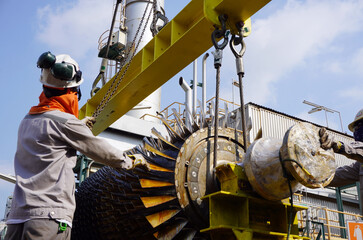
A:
(153, 23)
(106, 98)
(157, 15)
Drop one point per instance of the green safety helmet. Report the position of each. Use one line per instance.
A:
(358, 117)
(59, 71)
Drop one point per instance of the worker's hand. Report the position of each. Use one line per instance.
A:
(326, 142)
(139, 161)
(89, 121)
(124, 162)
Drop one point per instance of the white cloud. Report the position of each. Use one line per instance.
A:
(288, 38)
(73, 28)
(7, 167)
(352, 93)
(357, 62)
(334, 66)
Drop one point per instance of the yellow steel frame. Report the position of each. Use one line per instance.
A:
(181, 41)
(235, 213)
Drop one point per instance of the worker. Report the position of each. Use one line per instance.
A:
(48, 140)
(348, 174)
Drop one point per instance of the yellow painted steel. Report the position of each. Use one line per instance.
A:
(231, 176)
(148, 183)
(241, 215)
(156, 200)
(181, 41)
(151, 149)
(158, 168)
(160, 217)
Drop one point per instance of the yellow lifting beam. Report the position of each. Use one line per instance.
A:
(181, 41)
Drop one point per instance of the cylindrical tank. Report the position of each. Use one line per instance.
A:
(134, 12)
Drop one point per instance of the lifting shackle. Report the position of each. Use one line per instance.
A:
(240, 72)
(218, 33)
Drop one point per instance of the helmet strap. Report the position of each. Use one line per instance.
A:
(53, 92)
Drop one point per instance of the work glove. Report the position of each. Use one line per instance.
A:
(89, 121)
(131, 161)
(139, 161)
(127, 163)
(326, 142)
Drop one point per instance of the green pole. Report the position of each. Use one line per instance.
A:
(338, 194)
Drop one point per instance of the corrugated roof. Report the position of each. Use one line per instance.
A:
(298, 119)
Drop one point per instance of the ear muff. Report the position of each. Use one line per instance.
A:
(78, 76)
(63, 71)
(59, 71)
(46, 60)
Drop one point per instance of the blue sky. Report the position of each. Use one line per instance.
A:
(298, 50)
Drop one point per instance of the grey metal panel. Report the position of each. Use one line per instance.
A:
(275, 124)
(272, 123)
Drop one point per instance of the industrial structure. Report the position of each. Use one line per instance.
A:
(205, 177)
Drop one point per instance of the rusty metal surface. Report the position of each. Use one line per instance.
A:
(264, 170)
(193, 170)
(301, 143)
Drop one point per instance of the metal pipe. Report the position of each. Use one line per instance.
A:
(188, 100)
(111, 29)
(195, 86)
(204, 84)
(103, 70)
(341, 124)
(326, 117)
(8, 178)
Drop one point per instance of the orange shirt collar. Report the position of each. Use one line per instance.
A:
(67, 103)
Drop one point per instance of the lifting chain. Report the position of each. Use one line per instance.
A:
(218, 54)
(238, 40)
(114, 85)
(156, 16)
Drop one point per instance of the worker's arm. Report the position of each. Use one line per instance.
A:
(352, 150)
(346, 175)
(80, 137)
